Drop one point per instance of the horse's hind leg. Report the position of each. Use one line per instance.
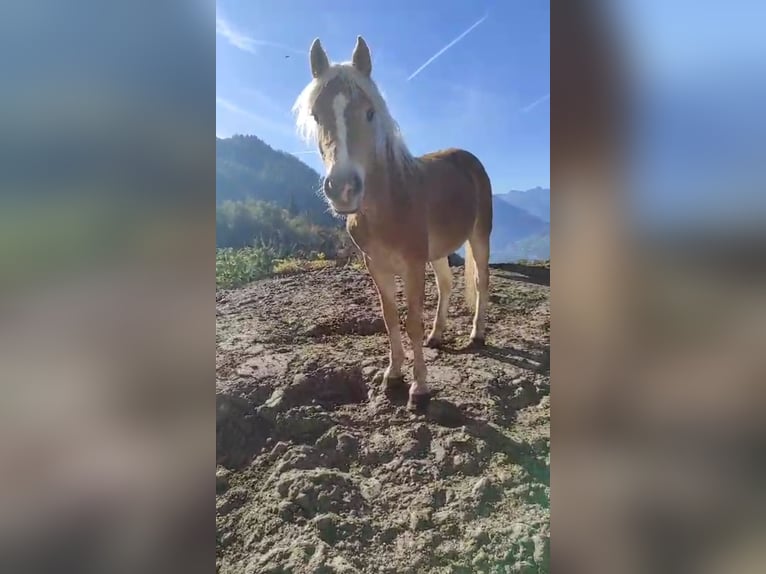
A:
(443, 275)
(480, 249)
(385, 283)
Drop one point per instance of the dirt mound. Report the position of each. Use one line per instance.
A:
(321, 471)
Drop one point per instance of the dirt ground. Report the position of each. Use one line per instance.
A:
(319, 471)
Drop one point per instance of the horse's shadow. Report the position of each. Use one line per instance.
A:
(447, 414)
(438, 411)
(537, 360)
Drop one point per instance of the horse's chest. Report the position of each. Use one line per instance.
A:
(360, 234)
(368, 236)
(390, 245)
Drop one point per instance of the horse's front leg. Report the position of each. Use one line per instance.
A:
(414, 288)
(385, 283)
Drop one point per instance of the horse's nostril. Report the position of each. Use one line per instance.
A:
(329, 188)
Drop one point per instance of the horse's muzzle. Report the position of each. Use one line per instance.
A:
(344, 192)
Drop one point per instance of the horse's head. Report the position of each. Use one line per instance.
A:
(342, 110)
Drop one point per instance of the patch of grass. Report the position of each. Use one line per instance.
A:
(237, 267)
(294, 265)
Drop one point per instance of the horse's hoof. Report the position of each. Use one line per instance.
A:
(433, 342)
(392, 384)
(476, 342)
(418, 403)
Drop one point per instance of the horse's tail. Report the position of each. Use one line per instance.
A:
(482, 227)
(470, 278)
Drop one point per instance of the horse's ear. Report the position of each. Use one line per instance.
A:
(319, 61)
(361, 57)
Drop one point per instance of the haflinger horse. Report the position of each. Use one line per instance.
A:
(403, 212)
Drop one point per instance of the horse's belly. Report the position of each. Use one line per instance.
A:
(451, 218)
(445, 240)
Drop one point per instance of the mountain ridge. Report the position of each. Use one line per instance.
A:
(247, 168)
(536, 200)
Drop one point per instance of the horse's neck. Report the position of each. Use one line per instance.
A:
(387, 192)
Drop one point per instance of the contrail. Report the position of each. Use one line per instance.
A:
(447, 47)
(534, 104)
(244, 42)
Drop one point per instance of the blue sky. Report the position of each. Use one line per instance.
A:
(489, 92)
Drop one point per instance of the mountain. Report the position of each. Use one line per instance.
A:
(517, 234)
(536, 201)
(248, 168)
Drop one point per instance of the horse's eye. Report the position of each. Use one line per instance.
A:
(370, 114)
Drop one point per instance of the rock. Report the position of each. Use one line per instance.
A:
(465, 463)
(327, 527)
(226, 539)
(222, 480)
(276, 400)
(438, 498)
(348, 445)
(342, 566)
(233, 500)
(420, 520)
(324, 502)
(279, 449)
(365, 471)
(388, 535)
(329, 440)
(287, 511)
(442, 517)
(440, 452)
(481, 488)
(371, 489)
(479, 538)
(524, 394)
(479, 559)
(304, 502)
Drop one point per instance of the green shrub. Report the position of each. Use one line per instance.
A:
(236, 267)
(243, 223)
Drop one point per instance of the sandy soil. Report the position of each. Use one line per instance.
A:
(319, 471)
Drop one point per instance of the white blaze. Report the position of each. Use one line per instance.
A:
(339, 104)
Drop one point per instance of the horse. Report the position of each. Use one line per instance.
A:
(402, 212)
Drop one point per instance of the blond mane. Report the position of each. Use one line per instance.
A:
(390, 143)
